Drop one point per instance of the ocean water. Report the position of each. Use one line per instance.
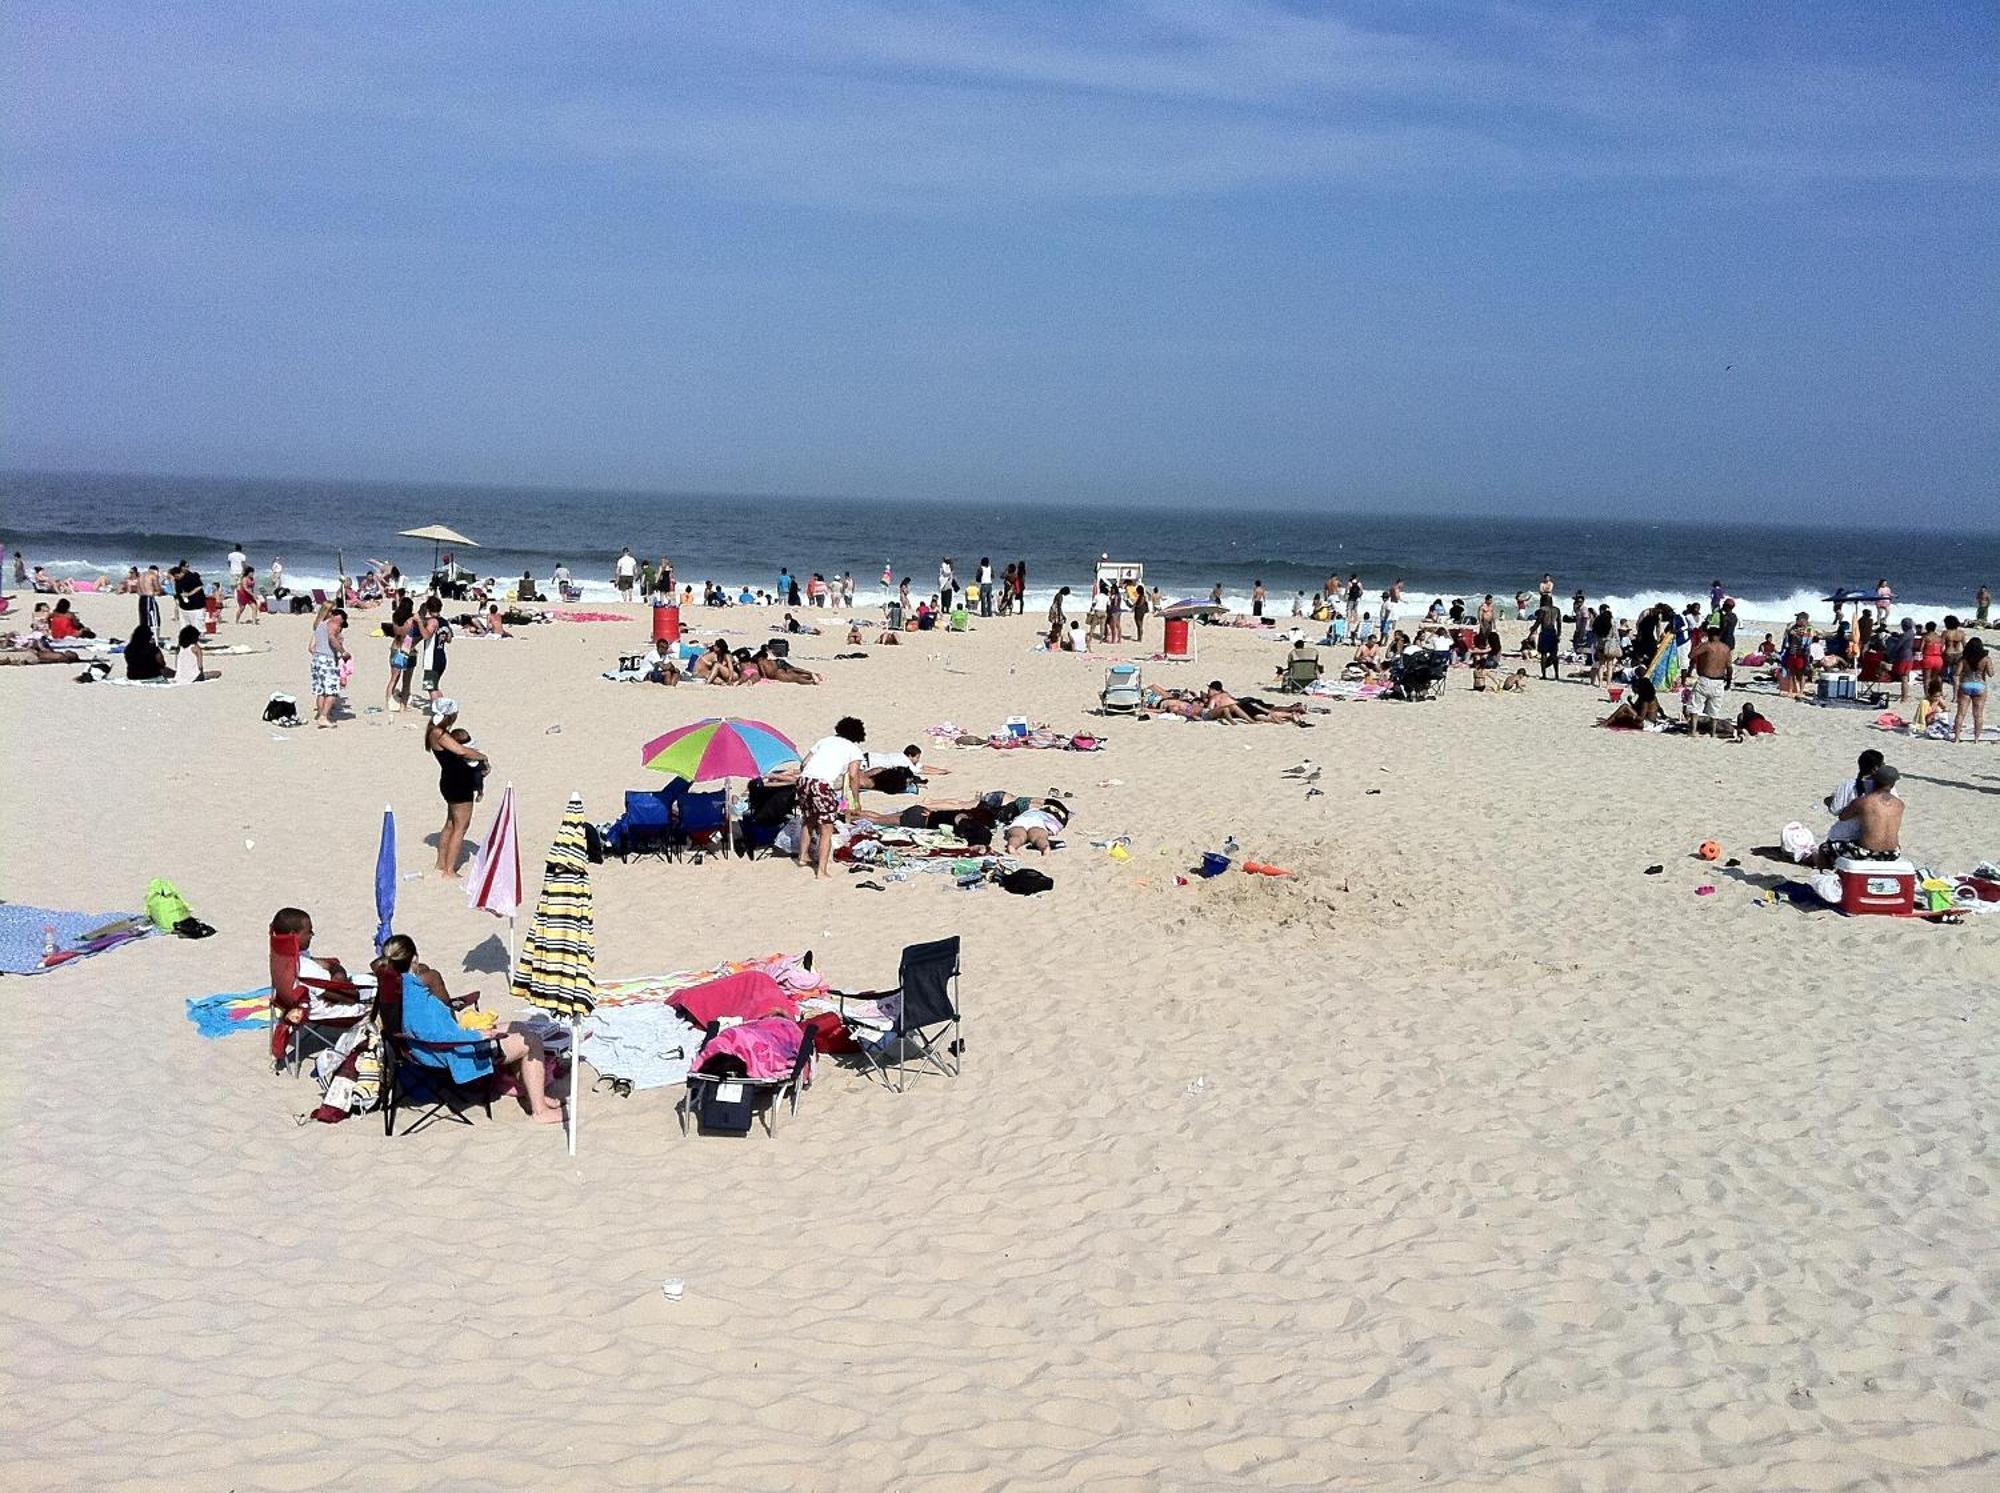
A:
(85, 524)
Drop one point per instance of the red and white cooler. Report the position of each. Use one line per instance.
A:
(1877, 888)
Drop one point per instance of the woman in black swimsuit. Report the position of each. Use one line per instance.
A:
(461, 780)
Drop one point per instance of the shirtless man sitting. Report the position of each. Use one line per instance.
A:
(1880, 814)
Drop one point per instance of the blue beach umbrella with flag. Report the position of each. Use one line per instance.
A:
(385, 880)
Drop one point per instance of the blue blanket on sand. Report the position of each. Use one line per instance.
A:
(23, 931)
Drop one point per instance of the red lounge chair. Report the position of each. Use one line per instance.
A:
(289, 1039)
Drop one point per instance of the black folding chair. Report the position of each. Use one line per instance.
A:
(919, 1025)
(407, 1082)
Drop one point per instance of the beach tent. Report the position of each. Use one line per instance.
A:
(557, 969)
(439, 536)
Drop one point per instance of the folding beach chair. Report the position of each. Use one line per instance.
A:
(723, 1102)
(413, 1071)
(1122, 690)
(700, 817)
(293, 1042)
(647, 825)
(1298, 672)
(771, 808)
(914, 1026)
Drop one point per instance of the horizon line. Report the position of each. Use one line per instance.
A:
(1067, 504)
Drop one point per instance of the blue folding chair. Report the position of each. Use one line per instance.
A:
(647, 826)
(701, 818)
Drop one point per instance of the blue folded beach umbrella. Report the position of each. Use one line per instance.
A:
(385, 880)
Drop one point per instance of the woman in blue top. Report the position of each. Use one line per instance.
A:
(471, 1055)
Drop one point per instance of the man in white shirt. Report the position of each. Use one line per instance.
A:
(947, 582)
(626, 573)
(832, 767)
(562, 582)
(238, 562)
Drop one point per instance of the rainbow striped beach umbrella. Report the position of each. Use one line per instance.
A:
(719, 748)
(557, 969)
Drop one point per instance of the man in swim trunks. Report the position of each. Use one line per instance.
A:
(1711, 660)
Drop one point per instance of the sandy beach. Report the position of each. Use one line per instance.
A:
(1469, 1156)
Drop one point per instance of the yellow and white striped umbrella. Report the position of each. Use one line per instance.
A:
(557, 969)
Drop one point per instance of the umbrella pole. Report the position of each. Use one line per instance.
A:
(575, 1041)
(728, 818)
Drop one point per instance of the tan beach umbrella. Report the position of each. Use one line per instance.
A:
(439, 536)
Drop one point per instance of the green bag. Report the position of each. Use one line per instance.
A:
(166, 906)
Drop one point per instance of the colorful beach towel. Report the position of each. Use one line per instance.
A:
(568, 616)
(219, 1015)
(26, 931)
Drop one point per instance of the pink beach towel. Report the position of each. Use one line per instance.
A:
(747, 996)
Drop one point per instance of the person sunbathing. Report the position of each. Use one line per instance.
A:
(1249, 710)
(1639, 709)
(717, 665)
(143, 659)
(34, 651)
(190, 665)
(1032, 828)
(1171, 702)
(1367, 660)
(64, 624)
(427, 1017)
(764, 664)
(793, 625)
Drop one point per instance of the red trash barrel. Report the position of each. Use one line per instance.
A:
(666, 624)
(1177, 637)
(213, 609)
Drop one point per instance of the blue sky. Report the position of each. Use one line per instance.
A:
(1712, 258)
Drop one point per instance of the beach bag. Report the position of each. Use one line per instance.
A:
(1798, 841)
(1026, 882)
(166, 906)
(281, 710)
(724, 1108)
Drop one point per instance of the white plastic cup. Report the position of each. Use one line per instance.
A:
(672, 1287)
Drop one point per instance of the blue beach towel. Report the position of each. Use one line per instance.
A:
(219, 1015)
(23, 930)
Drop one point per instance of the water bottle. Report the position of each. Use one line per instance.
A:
(48, 942)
